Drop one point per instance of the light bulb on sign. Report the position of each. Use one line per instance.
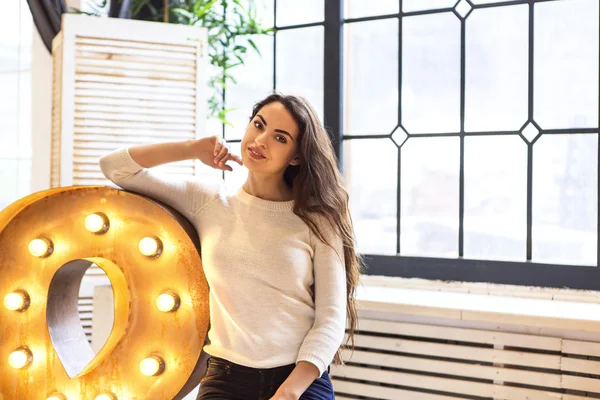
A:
(40, 247)
(106, 396)
(17, 301)
(168, 301)
(97, 223)
(152, 366)
(150, 246)
(20, 358)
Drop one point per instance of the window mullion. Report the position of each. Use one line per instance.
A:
(333, 74)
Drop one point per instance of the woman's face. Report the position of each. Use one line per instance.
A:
(270, 142)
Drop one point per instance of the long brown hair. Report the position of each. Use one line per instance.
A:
(318, 191)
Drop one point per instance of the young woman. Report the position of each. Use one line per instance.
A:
(278, 252)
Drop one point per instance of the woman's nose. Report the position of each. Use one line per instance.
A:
(261, 140)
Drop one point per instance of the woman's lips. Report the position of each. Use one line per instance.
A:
(255, 154)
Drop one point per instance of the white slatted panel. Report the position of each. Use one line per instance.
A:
(85, 306)
(120, 83)
(397, 360)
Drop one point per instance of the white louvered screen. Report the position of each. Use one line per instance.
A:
(398, 360)
(121, 82)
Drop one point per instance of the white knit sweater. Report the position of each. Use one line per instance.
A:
(261, 261)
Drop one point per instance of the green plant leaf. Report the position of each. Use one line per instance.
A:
(251, 43)
(201, 11)
(239, 4)
(184, 13)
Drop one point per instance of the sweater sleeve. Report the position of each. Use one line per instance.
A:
(327, 334)
(187, 195)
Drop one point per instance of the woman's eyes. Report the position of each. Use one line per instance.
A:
(279, 138)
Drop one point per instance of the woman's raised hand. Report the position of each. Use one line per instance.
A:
(214, 152)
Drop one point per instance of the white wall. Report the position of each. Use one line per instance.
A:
(15, 101)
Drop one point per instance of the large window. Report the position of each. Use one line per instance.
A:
(467, 131)
(16, 29)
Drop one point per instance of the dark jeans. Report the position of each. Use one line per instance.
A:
(225, 380)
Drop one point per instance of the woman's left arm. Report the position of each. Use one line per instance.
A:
(297, 382)
(327, 334)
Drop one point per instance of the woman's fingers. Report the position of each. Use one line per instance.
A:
(235, 158)
(223, 163)
(220, 158)
(218, 146)
(226, 167)
(222, 155)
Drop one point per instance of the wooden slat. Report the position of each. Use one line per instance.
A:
(150, 74)
(81, 55)
(124, 142)
(114, 144)
(143, 103)
(443, 384)
(158, 54)
(137, 89)
(133, 134)
(581, 383)
(461, 334)
(136, 125)
(82, 40)
(456, 369)
(131, 117)
(111, 110)
(578, 365)
(83, 152)
(581, 347)
(459, 352)
(112, 93)
(150, 83)
(380, 392)
(575, 397)
(135, 66)
(86, 167)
